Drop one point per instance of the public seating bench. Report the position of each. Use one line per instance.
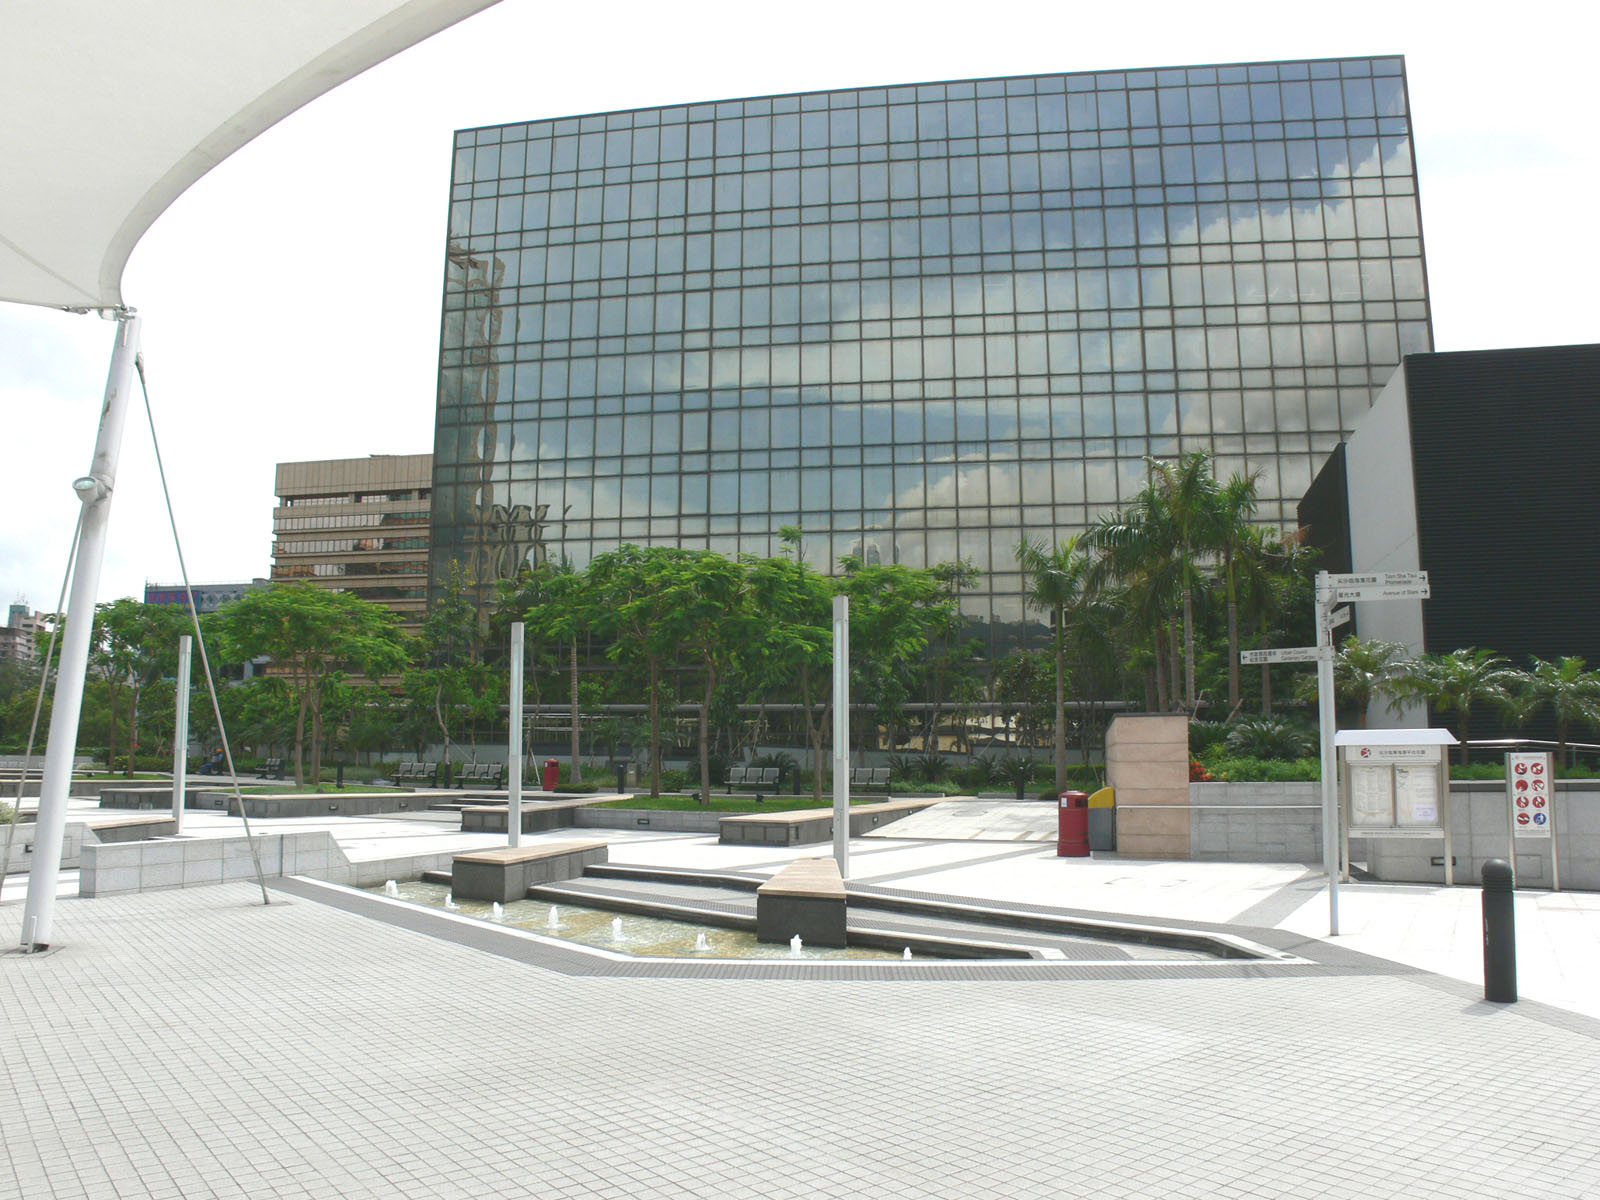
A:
(806, 826)
(505, 873)
(755, 777)
(807, 899)
(870, 778)
(273, 768)
(416, 772)
(488, 774)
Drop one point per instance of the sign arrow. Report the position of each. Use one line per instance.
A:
(1287, 654)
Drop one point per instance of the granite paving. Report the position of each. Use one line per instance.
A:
(194, 1043)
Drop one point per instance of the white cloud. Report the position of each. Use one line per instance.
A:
(292, 296)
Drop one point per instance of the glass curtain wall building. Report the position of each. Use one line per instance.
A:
(919, 322)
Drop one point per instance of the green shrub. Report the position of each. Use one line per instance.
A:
(1246, 769)
(1205, 736)
(976, 772)
(1269, 737)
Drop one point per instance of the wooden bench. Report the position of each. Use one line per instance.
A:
(488, 774)
(505, 873)
(807, 899)
(755, 777)
(273, 768)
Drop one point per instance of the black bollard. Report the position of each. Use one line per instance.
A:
(622, 779)
(340, 782)
(1499, 933)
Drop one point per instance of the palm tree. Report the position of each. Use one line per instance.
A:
(1268, 567)
(1460, 680)
(1140, 577)
(1184, 494)
(1365, 669)
(1572, 693)
(1229, 526)
(1055, 582)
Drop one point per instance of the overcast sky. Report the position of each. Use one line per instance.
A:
(291, 297)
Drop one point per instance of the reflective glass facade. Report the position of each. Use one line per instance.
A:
(919, 322)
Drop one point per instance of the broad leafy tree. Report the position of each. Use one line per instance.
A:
(792, 651)
(312, 635)
(452, 682)
(895, 612)
(134, 644)
(629, 587)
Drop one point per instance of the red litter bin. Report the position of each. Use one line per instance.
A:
(1072, 834)
(552, 774)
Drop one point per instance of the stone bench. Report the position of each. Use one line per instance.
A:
(505, 873)
(538, 816)
(805, 898)
(130, 827)
(808, 826)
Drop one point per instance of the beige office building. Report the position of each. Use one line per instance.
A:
(357, 525)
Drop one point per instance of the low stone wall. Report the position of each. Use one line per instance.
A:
(1282, 822)
(657, 820)
(148, 796)
(313, 804)
(120, 867)
(1479, 831)
(1255, 822)
(22, 845)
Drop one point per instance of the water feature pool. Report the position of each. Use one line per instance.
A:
(628, 933)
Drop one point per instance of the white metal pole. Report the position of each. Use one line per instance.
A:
(841, 734)
(514, 747)
(94, 491)
(1330, 791)
(180, 733)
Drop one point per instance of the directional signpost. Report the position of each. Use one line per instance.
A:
(1332, 590)
(1286, 654)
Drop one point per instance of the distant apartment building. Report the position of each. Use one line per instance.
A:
(208, 597)
(357, 525)
(17, 642)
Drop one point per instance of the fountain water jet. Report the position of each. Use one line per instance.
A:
(616, 929)
(391, 888)
(701, 943)
(450, 904)
(907, 954)
(554, 919)
(796, 946)
(497, 912)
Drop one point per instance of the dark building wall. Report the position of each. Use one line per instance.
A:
(1506, 446)
(1324, 514)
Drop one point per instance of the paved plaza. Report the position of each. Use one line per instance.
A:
(193, 1043)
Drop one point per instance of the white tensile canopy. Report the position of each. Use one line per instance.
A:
(113, 107)
(109, 109)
